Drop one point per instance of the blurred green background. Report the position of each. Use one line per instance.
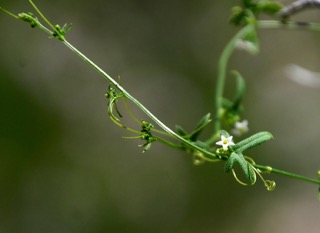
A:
(63, 164)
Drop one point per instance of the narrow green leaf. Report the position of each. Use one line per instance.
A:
(252, 141)
(204, 120)
(194, 135)
(268, 7)
(181, 131)
(201, 124)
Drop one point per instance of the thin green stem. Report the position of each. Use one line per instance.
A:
(222, 69)
(45, 19)
(136, 102)
(276, 24)
(288, 174)
(110, 79)
(9, 13)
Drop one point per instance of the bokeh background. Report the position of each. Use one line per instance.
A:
(63, 164)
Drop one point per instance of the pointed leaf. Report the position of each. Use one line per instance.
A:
(181, 131)
(201, 124)
(268, 7)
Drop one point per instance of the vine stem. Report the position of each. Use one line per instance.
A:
(222, 67)
(137, 103)
(57, 34)
(221, 77)
(276, 24)
(269, 169)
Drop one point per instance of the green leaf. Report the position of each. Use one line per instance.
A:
(181, 131)
(201, 124)
(252, 141)
(194, 135)
(246, 168)
(268, 7)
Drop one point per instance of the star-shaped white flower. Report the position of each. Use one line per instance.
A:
(225, 142)
(240, 128)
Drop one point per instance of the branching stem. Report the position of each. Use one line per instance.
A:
(136, 102)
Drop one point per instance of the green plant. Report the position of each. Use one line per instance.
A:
(219, 147)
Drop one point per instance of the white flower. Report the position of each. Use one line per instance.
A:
(240, 128)
(225, 142)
